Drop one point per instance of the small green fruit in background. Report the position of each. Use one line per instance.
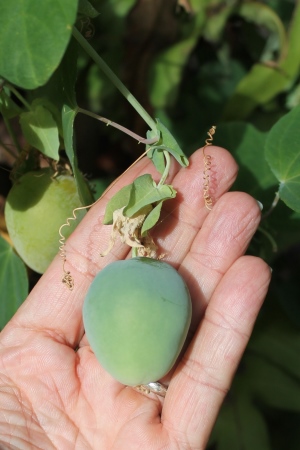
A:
(36, 207)
(136, 314)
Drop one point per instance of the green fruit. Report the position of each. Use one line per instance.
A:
(136, 315)
(36, 207)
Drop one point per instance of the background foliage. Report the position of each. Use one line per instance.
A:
(191, 64)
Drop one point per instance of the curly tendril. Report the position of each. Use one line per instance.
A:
(207, 167)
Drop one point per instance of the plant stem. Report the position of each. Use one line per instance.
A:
(167, 168)
(12, 134)
(270, 238)
(119, 127)
(19, 96)
(272, 207)
(134, 252)
(113, 78)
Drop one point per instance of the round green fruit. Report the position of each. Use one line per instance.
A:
(136, 315)
(36, 207)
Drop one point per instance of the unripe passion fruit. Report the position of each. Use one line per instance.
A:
(36, 207)
(136, 316)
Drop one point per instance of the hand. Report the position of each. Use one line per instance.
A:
(53, 392)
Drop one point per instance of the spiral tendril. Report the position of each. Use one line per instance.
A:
(67, 279)
(207, 168)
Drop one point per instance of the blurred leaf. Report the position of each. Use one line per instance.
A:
(282, 152)
(40, 131)
(167, 73)
(264, 82)
(289, 298)
(240, 425)
(13, 282)
(214, 27)
(293, 97)
(87, 9)
(60, 91)
(120, 7)
(270, 383)
(34, 36)
(277, 341)
(168, 67)
(8, 108)
(258, 87)
(264, 16)
(99, 185)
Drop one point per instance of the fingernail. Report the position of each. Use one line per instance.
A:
(261, 206)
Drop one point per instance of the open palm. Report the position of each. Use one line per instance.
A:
(53, 392)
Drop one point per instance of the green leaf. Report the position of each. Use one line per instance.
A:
(34, 36)
(214, 27)
(13, 282)
(60, 91)
(41, 131)
(156, 154)
(282, 152)
(87, 9)
(246, 144)
(68, 117)
(277, 341)
(119, 200)
(167, 72)
(259, 86)
(151, 218)
(145, 192)
(169, 143)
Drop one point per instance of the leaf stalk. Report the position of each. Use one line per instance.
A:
(113, 78)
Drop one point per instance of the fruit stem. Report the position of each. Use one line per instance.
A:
(119, 127)
(113, 78)
(167, 168)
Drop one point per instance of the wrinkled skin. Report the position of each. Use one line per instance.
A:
(53, 397)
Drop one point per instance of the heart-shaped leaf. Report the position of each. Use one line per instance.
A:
(282, 151)
(34, 35)
(41, 131)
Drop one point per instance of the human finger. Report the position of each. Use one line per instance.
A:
(222, 239)
(205, 373)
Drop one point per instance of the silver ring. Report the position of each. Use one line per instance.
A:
(155, 388)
